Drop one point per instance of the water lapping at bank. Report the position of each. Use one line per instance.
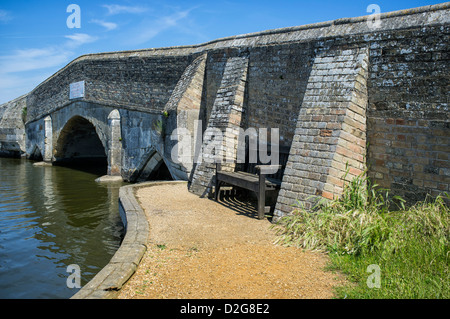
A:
(50, 218)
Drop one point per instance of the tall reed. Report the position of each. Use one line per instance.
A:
(367, 226)
(364, 218)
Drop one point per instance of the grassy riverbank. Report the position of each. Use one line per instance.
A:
(386, 253)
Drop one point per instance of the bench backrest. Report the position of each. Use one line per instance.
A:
(251, 167)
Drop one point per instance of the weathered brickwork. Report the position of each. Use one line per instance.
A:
(339, 92)
(141, 83)
(12, 127)
(410, 156)
(278, 76)
(225, 118)
(330, 134)
(408, 115)
(182, 111)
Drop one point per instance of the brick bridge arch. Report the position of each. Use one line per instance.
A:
(79, 140)
(79, 131)
(125, 139)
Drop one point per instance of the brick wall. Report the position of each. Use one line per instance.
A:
(136, 83)
(12, 127)
(278, 76)
(408, 117)
(404, 84)
(225, 117)
(330, 135)
(410, 155)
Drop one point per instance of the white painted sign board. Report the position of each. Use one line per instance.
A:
(76, 90)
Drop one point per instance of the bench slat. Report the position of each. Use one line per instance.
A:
(248, 181)
(253, 178)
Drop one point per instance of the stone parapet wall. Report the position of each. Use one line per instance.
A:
(146, 78)
(135, 83)
(408, 116)
(392, 104)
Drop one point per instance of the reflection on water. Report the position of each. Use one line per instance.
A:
(52, 217)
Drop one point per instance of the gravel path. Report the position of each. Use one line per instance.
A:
(202, 249)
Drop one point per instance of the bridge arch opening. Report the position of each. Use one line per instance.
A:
(161, 173)
(79, 146)
(36, 154)
(154, 169)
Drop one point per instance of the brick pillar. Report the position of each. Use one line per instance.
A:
(183, 108)
(225, 119)
(115, 145)
(48, 139)
(330, 132)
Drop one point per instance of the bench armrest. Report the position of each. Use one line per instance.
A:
(268, 169)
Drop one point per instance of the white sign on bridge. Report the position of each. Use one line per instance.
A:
(76, 90)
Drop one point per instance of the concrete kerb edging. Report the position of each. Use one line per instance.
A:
(107, 283)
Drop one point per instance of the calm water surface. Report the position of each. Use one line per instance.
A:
(52, 217)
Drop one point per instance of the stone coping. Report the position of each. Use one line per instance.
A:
(395, 20)
(230, 41)
(129, 107)
(123, 264)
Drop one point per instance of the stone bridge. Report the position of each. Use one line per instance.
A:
(86, 131)
(343, 94)
(133, 140)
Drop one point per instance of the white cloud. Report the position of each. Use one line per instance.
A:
(22, 70)
(12, 86)
(5, 16)
(118, 9)
(41, 58)
(150, 29)
(32, 59)
(107, 25)
(78, 39)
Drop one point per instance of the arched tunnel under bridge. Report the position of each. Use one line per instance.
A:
(153, 168)
(78, 145)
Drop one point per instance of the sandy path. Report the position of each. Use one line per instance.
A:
(202, 249)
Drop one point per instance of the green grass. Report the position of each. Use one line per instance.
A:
(161, 246)
(366, 226)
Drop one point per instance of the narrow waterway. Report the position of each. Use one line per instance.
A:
(50, 218)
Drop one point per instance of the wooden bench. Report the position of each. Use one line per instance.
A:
(254, 177)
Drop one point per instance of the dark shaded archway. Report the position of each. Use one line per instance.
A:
(160, 173)
(152, 169)
(79, 146)
(36, 154)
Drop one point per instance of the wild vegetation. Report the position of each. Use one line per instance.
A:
(366, 226)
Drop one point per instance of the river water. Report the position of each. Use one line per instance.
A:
(50, 218)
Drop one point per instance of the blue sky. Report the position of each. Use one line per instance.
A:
(35, 40)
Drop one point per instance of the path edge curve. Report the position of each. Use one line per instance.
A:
(110, 280)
